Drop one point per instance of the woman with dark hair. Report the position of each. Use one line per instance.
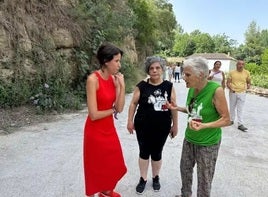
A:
(153, 122)
(216, 75)
(104, 164)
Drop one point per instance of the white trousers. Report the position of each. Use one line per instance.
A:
(236, 102)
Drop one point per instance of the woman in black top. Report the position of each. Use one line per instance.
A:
(153, 122)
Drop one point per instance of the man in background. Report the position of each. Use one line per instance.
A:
(238, 81)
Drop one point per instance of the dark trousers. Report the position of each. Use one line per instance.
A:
(177, 76)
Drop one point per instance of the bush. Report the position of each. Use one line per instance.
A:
(14, 94)
(131, 76)
(54, 95)
(256, 69)
(260, 80)
(259, 74)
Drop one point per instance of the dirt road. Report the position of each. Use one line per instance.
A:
(45, 160)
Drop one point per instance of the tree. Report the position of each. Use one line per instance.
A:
(203, 43)
(166, 23)
(154, 25)
(223, 44)
(264, 59)
(184, 45)
(253, 47)
(264, 38)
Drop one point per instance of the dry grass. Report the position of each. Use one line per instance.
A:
(12, 119)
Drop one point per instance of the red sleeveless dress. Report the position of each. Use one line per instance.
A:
(104, 164)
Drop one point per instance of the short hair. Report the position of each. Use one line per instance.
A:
(240, 60)
(198, 64)
(106, 52)
(152, 59)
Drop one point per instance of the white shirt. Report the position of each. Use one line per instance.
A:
(177, 69)
(216, 76)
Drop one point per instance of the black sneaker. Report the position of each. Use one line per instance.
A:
(242, 128)
(156, 184)
(141, 186)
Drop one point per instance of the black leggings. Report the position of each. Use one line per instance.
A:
(151, 142)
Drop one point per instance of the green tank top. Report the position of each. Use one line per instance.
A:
(203, 106)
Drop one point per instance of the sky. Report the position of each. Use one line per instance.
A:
(231, 17)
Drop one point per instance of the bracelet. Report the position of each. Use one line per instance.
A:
(114, 110)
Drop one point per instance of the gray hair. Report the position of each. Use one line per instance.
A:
(152, 59)
(198, 64)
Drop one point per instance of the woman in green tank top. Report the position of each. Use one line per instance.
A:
(207, 111)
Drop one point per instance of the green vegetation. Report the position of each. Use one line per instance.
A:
(259, 72)
(146, 27)
(254, 51)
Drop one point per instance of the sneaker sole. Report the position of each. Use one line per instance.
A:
(139, 193)
(156, 190)
(244, 130)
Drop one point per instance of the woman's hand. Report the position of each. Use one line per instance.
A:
(196, 125)
(173, 131)
(171, 106)
(119, 79)
(210, 77)
(130, 127)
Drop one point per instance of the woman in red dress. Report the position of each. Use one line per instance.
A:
(104, 164)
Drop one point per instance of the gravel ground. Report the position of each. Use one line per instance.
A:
(45, 159)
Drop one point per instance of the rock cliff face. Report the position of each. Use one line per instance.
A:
(31, 31)
(28, 29)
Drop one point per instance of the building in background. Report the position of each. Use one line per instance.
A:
(227, 62)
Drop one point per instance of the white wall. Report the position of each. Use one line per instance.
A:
(232, 65)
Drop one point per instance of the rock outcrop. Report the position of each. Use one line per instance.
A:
(28, 29)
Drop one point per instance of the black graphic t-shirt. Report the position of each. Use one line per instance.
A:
(152, 111)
